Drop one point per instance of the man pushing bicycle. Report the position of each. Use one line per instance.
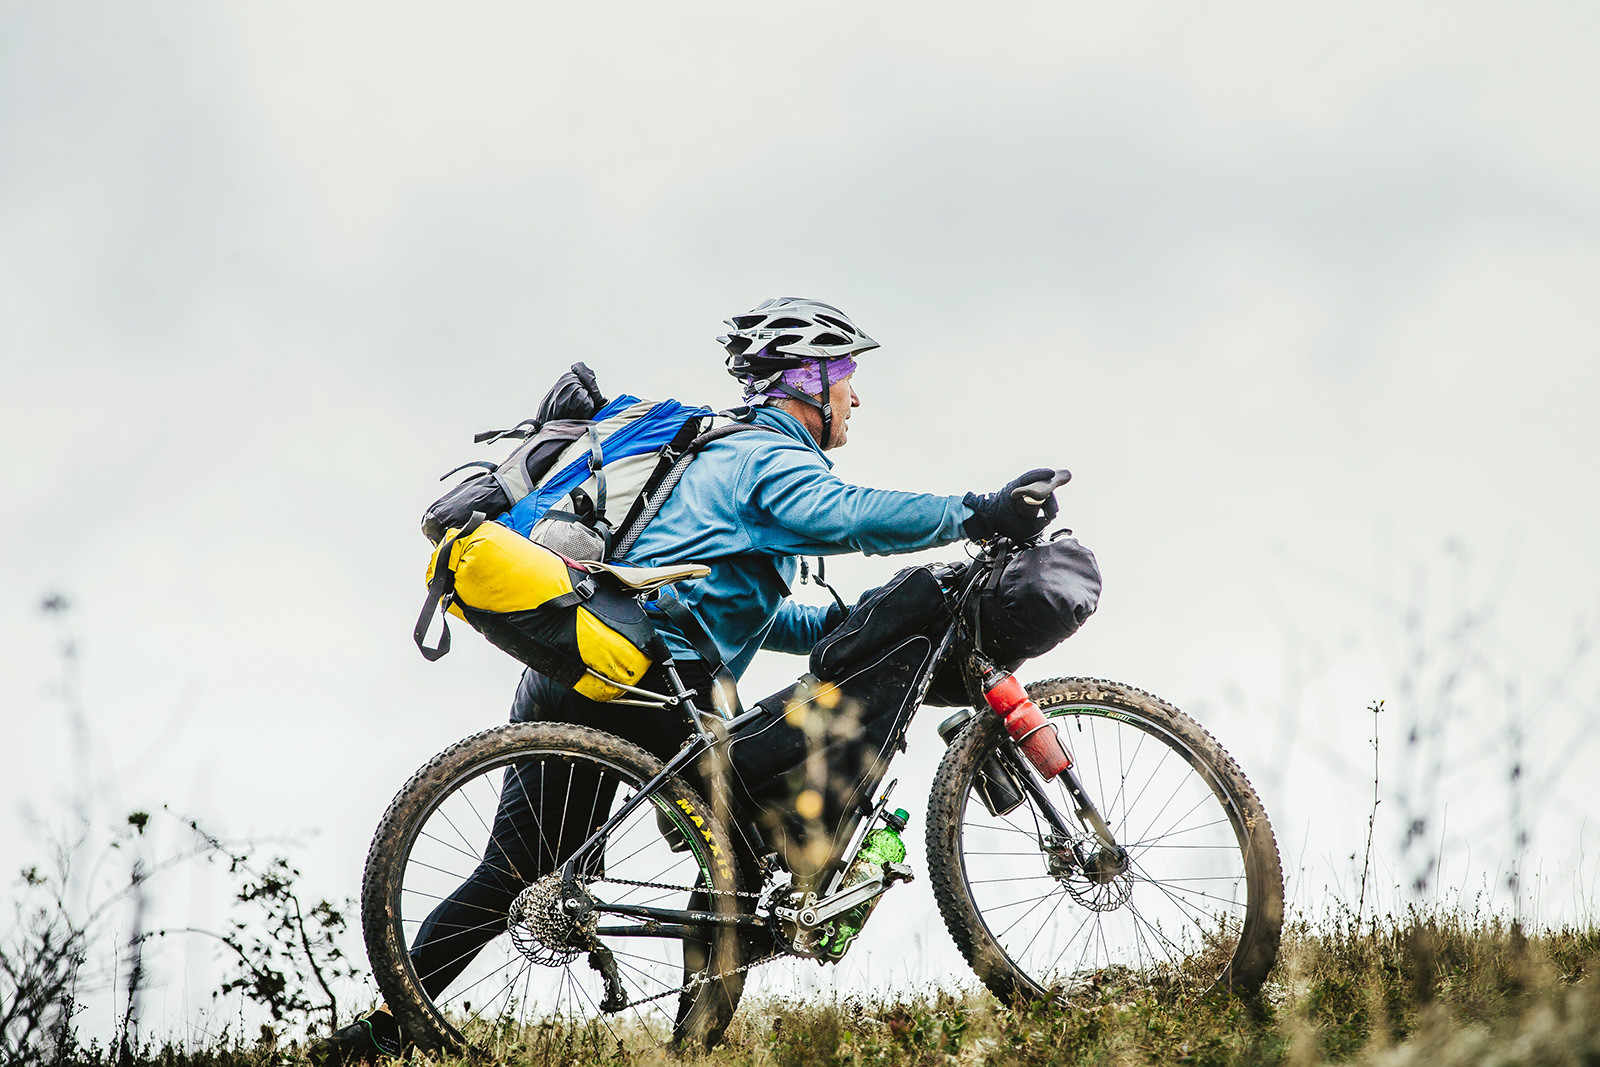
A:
(748, 508)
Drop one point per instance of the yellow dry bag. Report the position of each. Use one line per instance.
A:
(579, 629)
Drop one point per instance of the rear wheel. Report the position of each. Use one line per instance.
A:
(1196, 901)
(471, 935)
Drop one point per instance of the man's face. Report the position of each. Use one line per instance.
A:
(843, 399)
(842, 396)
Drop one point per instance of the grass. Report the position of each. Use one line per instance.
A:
(1428, 988)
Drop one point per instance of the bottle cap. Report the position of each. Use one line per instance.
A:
(898, 818)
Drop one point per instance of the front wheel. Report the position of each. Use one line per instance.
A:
(1194, 900)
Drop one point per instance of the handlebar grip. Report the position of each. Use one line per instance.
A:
(1034, 494)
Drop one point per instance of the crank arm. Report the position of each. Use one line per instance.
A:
(809, 918)
(839, 903)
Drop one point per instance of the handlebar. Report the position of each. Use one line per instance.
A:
(1034, 494)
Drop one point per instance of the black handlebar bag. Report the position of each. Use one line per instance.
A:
(1035, 599)
(818, 750)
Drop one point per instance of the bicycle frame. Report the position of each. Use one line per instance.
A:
(832, 901)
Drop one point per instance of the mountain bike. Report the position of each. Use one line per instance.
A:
(630, 907)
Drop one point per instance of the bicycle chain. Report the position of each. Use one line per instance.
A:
(701, 979)
(747, 894)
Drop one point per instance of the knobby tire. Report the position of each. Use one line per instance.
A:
(1213, 875)
(420, 818)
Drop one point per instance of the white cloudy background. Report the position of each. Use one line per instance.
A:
(1305, 296)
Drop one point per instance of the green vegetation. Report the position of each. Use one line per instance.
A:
(1431, 988)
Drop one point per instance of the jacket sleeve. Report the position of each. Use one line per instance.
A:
(804, 509)
(796, 627)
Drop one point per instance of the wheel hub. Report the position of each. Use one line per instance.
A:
(1097, 877)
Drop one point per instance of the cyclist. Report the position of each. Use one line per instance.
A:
(748, 507)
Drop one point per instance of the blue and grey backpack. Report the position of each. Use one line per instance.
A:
(589, 474)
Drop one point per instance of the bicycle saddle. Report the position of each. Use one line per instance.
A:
(649, 579)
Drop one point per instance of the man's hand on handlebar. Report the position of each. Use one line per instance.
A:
(1019, 511)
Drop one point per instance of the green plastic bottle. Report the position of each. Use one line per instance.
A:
(882, 847)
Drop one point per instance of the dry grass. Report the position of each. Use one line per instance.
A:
(1426, 988)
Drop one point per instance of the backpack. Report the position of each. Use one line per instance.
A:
(589, 474)
(522, 545)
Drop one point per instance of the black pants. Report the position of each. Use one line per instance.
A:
(524, 844)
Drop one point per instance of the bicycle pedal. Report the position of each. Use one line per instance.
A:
(898, 872)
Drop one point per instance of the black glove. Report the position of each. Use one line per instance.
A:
(997, 513)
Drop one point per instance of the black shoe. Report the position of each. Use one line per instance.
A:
(363, 1041)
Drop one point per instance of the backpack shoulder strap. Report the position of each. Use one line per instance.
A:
(719, 432)
(695, 435)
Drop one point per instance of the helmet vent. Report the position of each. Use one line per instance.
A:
(828, 339)
(789, 323)
(776, 344)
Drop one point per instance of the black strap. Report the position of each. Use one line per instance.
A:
(676, 448)
(826, 405)
(442, 586)
(583, 513)
(687, 442)
(525, 428)
(689, 625)
(789, 390)
(821, 578)
(485, 464)
(720, 432)
(581, 591)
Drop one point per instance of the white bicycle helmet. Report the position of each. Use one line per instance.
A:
(787, 332)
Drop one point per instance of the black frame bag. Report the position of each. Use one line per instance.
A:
(829, 733)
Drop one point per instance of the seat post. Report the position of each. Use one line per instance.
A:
(691, 711)
(682, 693)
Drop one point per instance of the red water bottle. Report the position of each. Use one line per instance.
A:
(1027, 725)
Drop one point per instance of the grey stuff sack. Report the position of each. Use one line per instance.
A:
(573, 399)
(1037, 599)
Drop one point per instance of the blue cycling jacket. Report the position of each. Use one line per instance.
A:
(752, 503)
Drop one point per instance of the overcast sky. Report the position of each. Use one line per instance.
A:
(1306, 297)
